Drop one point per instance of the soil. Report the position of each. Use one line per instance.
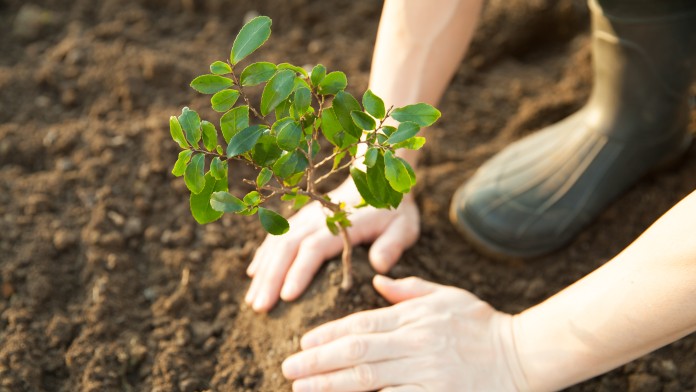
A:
(108, 284)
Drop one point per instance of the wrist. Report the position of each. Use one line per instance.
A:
(508, 349)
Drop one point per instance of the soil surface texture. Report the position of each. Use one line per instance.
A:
(108, 284)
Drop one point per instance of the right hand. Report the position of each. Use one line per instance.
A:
(283, 266)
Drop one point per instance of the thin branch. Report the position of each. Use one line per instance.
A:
(248, 102)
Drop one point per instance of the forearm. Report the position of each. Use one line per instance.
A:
(639, 301)
(419, 47)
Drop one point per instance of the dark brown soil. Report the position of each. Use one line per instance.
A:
(108, 284)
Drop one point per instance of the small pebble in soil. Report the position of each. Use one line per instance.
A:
(249, 15)
(64, 239)
(30, 21)
(644, 382)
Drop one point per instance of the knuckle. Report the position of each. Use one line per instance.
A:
(357, 348)
(322, 384)
(365, 376)
(311, 243)
(311, 362)
(364, 324)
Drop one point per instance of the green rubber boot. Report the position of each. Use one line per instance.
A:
(535, 195)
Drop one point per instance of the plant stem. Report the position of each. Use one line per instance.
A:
(346, 259)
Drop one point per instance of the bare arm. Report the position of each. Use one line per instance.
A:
(641, 300)
(419, 47)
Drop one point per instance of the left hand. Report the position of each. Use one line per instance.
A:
(435, 338)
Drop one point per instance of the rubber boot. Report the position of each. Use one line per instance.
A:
(535, 195)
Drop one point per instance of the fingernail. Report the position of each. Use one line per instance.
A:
(382, 280)
(249, 298)
(308, 341)
(261, 302)
(288, 291)
(290, 368)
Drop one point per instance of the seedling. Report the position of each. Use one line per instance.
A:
(281, 137)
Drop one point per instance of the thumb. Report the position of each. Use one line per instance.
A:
(400, 290)
(388, 247)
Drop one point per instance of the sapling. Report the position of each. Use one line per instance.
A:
(280, 139)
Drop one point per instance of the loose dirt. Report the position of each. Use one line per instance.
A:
(108, 284)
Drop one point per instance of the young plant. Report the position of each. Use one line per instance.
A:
(281, 137)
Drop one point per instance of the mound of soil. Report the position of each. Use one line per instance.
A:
(108, 284)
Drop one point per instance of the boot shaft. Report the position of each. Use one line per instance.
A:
(644, 59)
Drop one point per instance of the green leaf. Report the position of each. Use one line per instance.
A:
(396, 173)
(371, 156)
(331, 225)
(181, 163)
(176, 132)
(360, 180)
(289, 133)
(414, 143)
(379, 185)
(333, 131)
(338, 159)
(409, 169)
(225, 202)
(272, 222)
(210, 84)
(266, 151)
(194, 174)
(343, 105)
(317, 75)
(300, 83)
(333, 83)
(283, 109)
(264, 176)
(294, 68)
(220, 68)
(248, 211)
(234, 121)
(388, 130)
(303, 98)
(252, 199)
(277, 90)
(405, 131)
(244, 140)
(223, 101)
(250, 38)
(289, 164)
(300, 201)
(200, 203)
(257, 73)
(191, 123)
(338, 219)
(373, 105)
(363, 120)
(209, 135)
(420, 113)
(218, 169)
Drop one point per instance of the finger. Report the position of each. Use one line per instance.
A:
(300, 227)
(396, 291)
(313, 251)
(350, 351)
(404, 388)
(364, 377)
(265, 287)
(365, 322)
(400, 235)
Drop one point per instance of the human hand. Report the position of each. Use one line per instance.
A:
(436, 338)
(283, 266)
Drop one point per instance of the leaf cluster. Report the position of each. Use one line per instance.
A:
(280, 137)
